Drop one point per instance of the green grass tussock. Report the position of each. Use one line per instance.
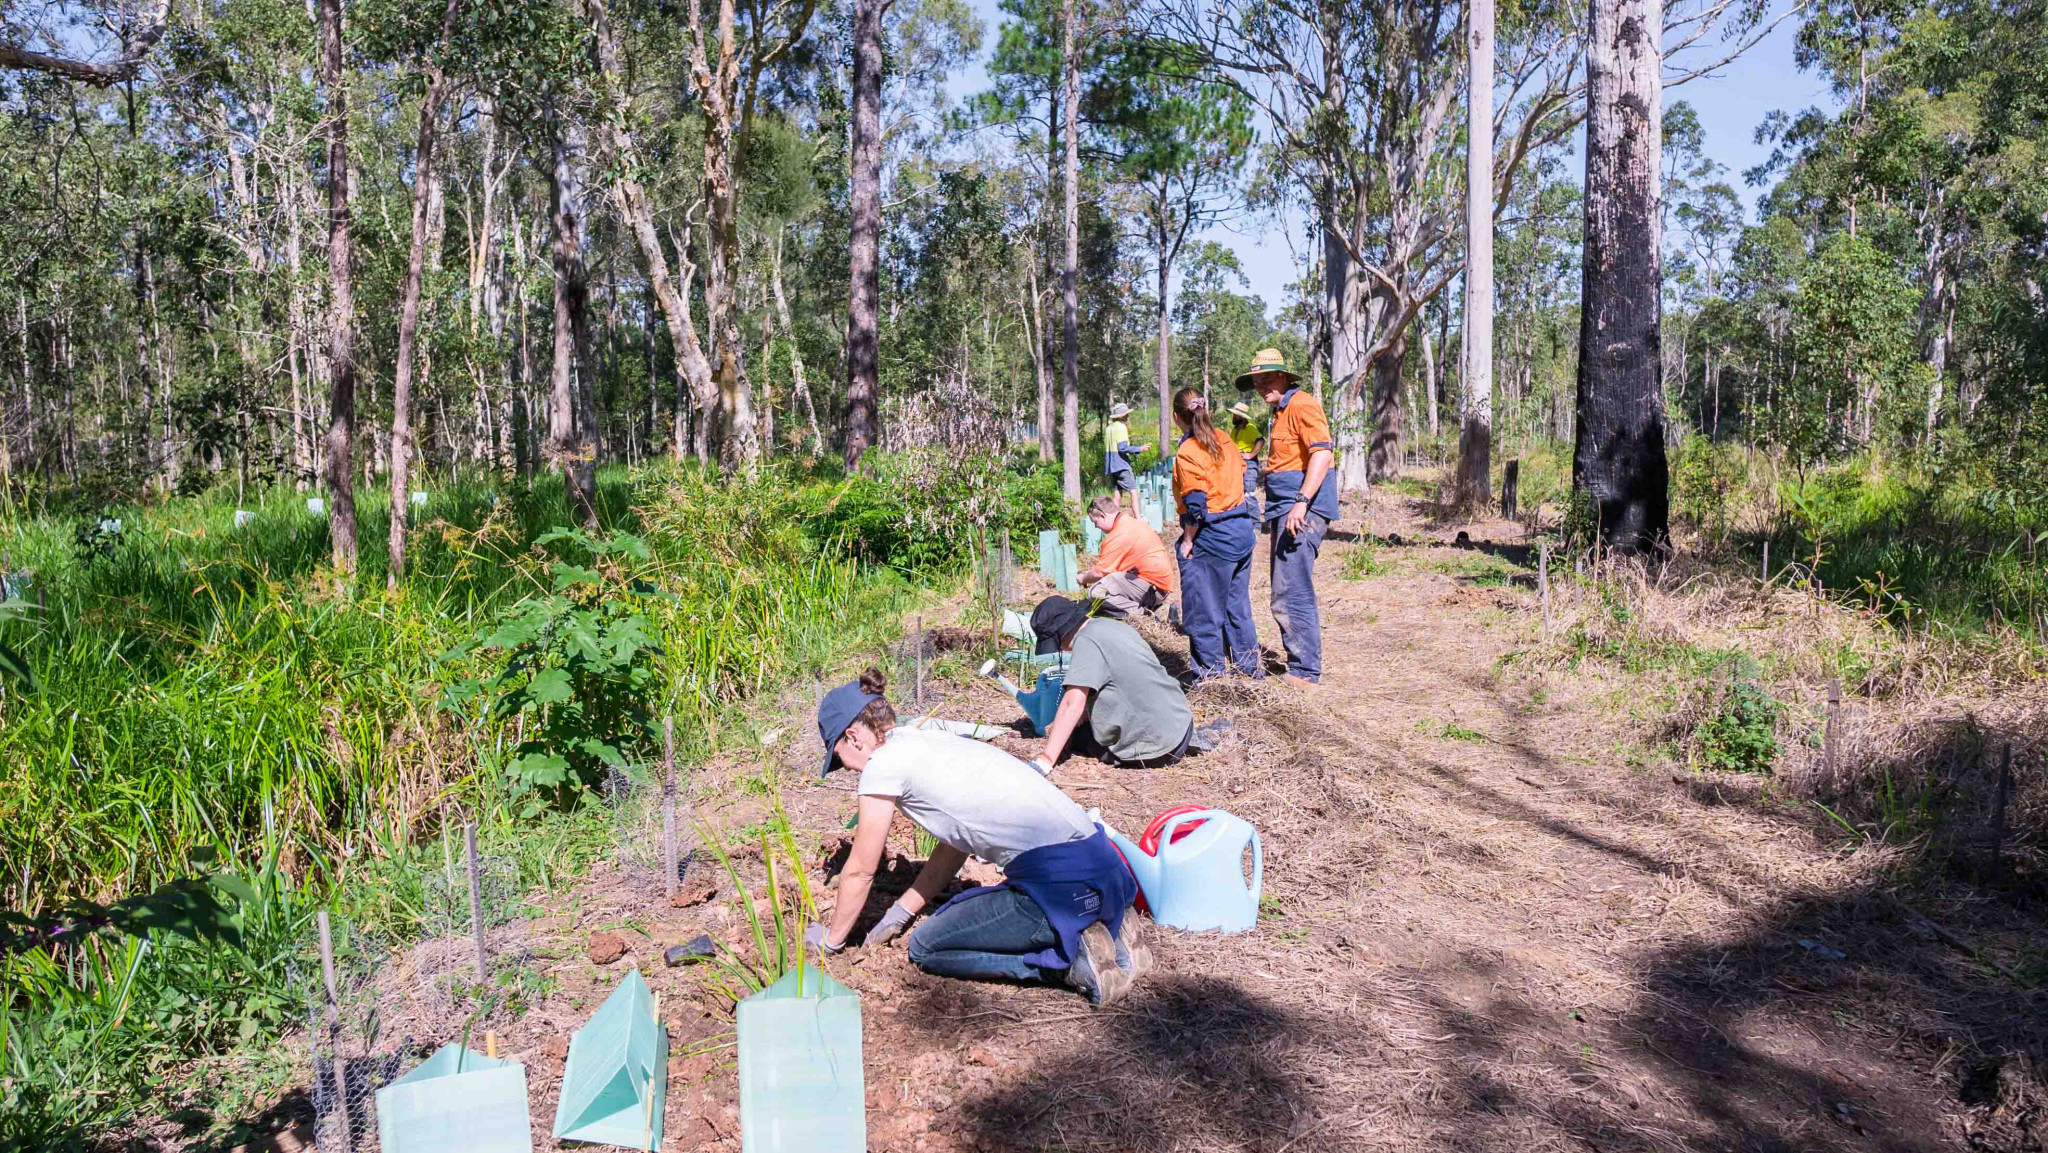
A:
(202, 693)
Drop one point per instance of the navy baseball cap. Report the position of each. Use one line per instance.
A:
(836, 712)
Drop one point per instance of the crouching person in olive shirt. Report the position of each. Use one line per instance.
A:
(1120, 703)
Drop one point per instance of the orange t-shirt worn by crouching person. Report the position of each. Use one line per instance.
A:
(1131, 544)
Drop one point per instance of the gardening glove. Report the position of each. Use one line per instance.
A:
(814, 938)
(891, 925)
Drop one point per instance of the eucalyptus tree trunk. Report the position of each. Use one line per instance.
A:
(796, 355)
(341, 337)
(570, 439)
(1618, 457)
(423, 222)
(693, 385)
(1070, 423)
(1475, 408)
(1165, 337)
(862, 355)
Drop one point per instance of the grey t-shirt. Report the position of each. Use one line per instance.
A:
(1140, 711)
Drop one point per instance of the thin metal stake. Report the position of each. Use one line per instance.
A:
(1543, 579)
(1998, 814)
(1828, 740)
(476, 902)
(668, 805)
(1767, 562)
(335, 1060)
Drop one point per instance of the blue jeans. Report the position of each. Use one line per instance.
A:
(1216, 610)
(1294, 595)
(1251, 485)
(984, 934)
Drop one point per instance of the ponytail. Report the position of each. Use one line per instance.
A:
(1189, 406)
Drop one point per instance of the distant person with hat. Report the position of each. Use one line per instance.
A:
(1120, 704)
(1059, 914)
(1133, 569)
(1119, 454)
(1250, 440)
(1301, 504)
(1217, 531)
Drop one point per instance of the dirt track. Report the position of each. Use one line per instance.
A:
(1485, 931)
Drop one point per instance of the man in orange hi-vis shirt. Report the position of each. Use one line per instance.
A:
(1133, 571)
(1301, 503)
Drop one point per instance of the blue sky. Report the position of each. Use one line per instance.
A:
(1731, 103)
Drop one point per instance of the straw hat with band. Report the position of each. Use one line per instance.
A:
(1119, 410)
(1241, 410)
(1263, 361)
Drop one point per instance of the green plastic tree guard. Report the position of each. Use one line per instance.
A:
(1048, 551)
(1068, 578)
(615, 1084)
(802, 1089)
(457, 1101)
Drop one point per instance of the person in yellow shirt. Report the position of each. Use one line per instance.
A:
(1301, 504)
(1133, 571)
(1119, 454)
(1250, 440)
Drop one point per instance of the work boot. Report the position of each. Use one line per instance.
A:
(1095, 970)
(1205, 738)
(1132, 956)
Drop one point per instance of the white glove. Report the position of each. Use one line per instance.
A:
(891, 925)
(1043, 766)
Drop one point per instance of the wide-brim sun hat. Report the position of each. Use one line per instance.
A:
(1241, 410)
(1119, 410)
(1264, 361)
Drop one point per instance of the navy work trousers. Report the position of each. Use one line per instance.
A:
(1216, 605)
(1294, 594)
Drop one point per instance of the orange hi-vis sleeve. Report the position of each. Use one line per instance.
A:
(1130, 544)
(1298, 430)
(1220, 477)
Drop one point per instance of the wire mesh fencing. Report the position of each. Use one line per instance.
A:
(376, 1003)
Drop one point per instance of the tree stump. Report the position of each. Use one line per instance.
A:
(1510, 475)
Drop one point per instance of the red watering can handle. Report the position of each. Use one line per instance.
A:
(1149, 843)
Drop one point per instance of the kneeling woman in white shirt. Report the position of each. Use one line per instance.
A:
(1059, 914)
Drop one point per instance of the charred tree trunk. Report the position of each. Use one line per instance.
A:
(862, 354)
(341, 338)
(1384, 461)
(1618, 457)
(569, 441)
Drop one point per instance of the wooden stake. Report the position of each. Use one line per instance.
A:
(335, 1060)
(1828, 750)
(476, 902)
(1998, 814)
(491, 1044)
(919, 697)
(1543, 581)
(668, 806)
(647, 1142)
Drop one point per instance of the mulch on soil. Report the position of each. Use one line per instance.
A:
(1483, 930)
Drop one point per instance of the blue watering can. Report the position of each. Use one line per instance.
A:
(1043, 701)
(1192, 875)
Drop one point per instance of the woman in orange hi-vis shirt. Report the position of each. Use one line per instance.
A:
(1301, 502)
(1217, 530)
